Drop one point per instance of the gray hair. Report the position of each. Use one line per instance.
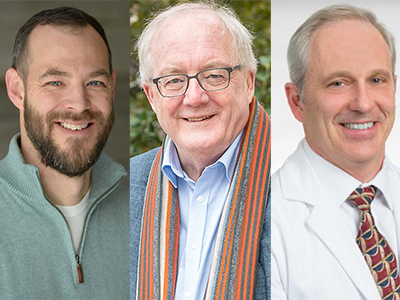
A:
(242, 39)
(299, 45)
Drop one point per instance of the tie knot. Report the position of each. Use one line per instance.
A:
(362, 197)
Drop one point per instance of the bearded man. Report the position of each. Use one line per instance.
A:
(64, 216)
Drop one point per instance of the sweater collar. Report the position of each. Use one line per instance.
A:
(24, 179)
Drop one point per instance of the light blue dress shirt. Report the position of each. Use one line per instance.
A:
(201, 204)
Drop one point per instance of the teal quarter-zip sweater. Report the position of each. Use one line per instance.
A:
(37, 259)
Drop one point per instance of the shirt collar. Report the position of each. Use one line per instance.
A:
(172, 168)
(382, 182)
(341, 184)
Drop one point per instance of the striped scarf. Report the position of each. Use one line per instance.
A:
(235, 256)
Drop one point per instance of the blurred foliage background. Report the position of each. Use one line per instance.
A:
(145, 132)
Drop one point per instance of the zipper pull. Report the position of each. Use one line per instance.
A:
(79, 270)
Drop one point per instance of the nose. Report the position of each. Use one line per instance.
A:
(77, 98)
(363, 100)
(195, 95)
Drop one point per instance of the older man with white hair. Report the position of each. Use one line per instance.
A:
(199, 215)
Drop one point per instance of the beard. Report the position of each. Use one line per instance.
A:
(76, 159)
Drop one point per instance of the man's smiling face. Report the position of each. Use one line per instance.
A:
(69, 91)
(199, 121)
(349, 106)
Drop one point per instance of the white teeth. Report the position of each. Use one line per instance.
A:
(359, 126)
(74, 127)
(198, 120)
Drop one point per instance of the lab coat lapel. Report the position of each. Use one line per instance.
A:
(328, 224)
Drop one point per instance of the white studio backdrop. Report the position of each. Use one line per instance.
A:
(286, 17)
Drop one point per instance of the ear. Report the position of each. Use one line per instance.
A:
(150, 96)
(15, 88)
(395, 83)
(113, 80)
(250, 85)
(295, 102)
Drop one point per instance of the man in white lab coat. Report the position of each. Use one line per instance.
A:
(342, 90)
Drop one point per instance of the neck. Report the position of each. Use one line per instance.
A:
(58, 188)
(363, 173)
(63, 190)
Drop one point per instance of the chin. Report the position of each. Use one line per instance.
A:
(364, 157)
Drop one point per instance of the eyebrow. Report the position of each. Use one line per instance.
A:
(349, 75)
(174, 70)
(98, 73)
(55, 72)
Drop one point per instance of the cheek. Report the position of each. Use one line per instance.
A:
(165, 112)
(388, 106)
(327, 107)
(41, 103)
(105, 106)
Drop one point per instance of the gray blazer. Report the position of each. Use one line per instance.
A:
(139, 172)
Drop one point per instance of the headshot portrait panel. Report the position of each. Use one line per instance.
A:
(199, 203)
(114, 17)
(285, 19)
(64, 216)
(335, 151)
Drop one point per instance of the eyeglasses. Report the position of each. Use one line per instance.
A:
(210, 80)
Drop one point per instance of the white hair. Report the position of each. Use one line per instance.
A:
(242, 39)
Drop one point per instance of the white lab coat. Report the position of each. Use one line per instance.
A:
(314, 255)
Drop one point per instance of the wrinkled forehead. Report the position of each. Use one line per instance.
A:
(190, 30)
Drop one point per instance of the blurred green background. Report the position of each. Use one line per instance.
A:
(145, 133)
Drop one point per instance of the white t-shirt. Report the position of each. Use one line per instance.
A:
(75, 216)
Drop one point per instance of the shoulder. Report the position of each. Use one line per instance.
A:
(263, 272)
(296, 189)
(140, 167)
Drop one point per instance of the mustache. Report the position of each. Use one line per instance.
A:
(87, 115)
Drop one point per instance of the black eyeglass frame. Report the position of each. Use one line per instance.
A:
(230, 70)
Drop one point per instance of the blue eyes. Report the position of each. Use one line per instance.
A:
(95, 83)
(91, 83)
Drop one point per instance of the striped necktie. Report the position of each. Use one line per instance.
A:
(374, 247)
